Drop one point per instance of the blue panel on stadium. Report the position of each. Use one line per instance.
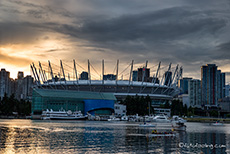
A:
(94, 104)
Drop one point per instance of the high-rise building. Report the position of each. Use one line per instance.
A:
(183, 85)
(227, 90)
(24, 87)
(21, 87)
(222, 80)
(168, 78)
(27, 87)
(220, 84)
(20, 75)
(194, 93)
(134, 77)
(109, 77)
(143, 71)
(84, 76)
(5, 86)
(212, 84)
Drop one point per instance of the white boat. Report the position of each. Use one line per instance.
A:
(62, 115)
(161, 119)
(217, 123)
(178, 123)
(148, 118)
(177, 118)
(147, 125)
(124, 118)
(113, 118)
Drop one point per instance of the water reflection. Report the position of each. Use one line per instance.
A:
(25, 136)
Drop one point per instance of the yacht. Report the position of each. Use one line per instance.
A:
(161, 119)
(113, 118)
(178, 123)
(124, 118)
(62, 115)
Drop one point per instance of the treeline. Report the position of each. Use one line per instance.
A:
(140, 105)
(11, 106)
(177, 108)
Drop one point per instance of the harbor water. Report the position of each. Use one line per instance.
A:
(36, 136)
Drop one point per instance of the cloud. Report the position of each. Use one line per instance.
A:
(166, 24)
(224, 47)
(16, 33)
(13, 60)
(189, 33)
(172, 34)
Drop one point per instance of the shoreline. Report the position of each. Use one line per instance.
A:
(208, 120)
(199, 120)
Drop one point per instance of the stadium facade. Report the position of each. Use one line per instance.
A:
(97, 96)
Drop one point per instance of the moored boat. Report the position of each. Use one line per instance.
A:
(217, 123)
(113, 118)
(147, 125)
(62, 115)
(161, 119)
(124, 118)
(178, 123)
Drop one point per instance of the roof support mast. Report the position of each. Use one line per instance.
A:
(51, 72)
(174, 75)
(168, 71)
(35, 70)
(157, 73)
(102, 71)
(34, 74)
(179, 75)
(42, 72)
(45, 77)
(117, 71)
(167, 76)
(63, 73)
(170, 82)
(143, 74)
(75, 70)
(130, 75)
(89, 75)
(162, 80)
(131, 72)
(159, 65)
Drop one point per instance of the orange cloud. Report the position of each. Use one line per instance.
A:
(13, 60)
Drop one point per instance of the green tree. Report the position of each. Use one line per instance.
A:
(185, 110)
(137, 105)
(8, 105)
(167, 105)
(214, 113)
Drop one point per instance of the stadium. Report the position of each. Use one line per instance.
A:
(97, 96)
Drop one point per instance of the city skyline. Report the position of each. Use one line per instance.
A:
(190, 34)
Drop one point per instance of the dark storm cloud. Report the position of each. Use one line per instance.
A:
(224, 47)
(16, 33)
(157, 32)
(164, 25)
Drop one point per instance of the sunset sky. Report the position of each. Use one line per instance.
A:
(188, 33)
